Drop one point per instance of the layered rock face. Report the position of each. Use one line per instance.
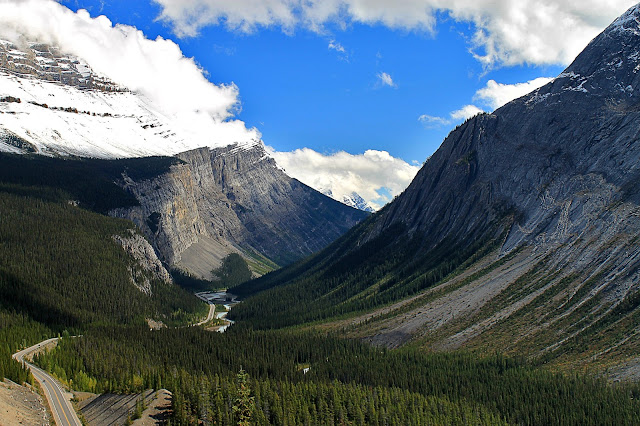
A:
(561, 160)
(233, 199)
(557, 173)
(535, 212)
(47, 63)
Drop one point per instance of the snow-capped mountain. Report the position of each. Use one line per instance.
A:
(55, 104)
(356, 201)
(222, 196)
(352, 200)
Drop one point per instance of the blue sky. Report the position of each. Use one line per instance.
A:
(300, 93)
(352, 95)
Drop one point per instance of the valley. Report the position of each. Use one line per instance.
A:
(146, 250)
(536, 256)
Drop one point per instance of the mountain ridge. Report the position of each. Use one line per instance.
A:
(55, 104)
(544, 187)
(233, 199)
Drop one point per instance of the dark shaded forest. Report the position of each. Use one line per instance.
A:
(89, 181)
(60, 269)
(346, 381)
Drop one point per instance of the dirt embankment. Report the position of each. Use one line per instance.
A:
(20, 405)
(108, 409)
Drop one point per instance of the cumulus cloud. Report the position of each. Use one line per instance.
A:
(176, 85)
(465, 112)
(375, 175)
(385, 79)
(496, 94)
(506, 31)
(457, 116)
(189, 16)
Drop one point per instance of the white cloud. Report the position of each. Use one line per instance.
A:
(506, 31)
(340, 50)
(465, 112)
(493, 95)
(334, 45)
(385, 79)
(433, 121)
(156, 68)
(496, 94)
(344, 173)
(457, 116)
(189, 16)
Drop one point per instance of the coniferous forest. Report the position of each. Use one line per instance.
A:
(61, 273)
(60, 268)
(346, 381)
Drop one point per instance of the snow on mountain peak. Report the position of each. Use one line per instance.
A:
(628, 21)
(352, 200)
(59, 105)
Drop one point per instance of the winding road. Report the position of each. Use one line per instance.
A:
(212, 312)
(63, 412)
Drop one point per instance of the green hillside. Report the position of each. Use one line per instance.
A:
(60, 269)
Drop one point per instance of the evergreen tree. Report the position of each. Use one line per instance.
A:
(244, 403)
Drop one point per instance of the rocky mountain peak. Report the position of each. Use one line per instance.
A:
(47, 63)
(609, 65)
(538, 155)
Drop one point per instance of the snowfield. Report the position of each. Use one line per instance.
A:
(106, 124)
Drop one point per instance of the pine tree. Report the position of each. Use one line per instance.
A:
(244, 403)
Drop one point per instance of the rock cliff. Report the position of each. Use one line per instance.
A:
(47, 63)
(519, 234)
(560, 159)
(233, 199)
(147, 265)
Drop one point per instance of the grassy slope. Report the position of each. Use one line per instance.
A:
(347, 278)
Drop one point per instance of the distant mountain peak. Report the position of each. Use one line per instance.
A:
(352, 200)
(355, 200)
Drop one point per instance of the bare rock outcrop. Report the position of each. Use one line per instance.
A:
(232, 199)
(47, 63)
(147, 265)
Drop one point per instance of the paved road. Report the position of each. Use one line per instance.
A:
(63, 412)
(212, 312)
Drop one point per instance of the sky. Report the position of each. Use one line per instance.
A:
(348, 95)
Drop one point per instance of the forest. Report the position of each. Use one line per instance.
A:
(346, 381)
(61, 270)
(89, 181)
(61, 273)
(337, 282)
